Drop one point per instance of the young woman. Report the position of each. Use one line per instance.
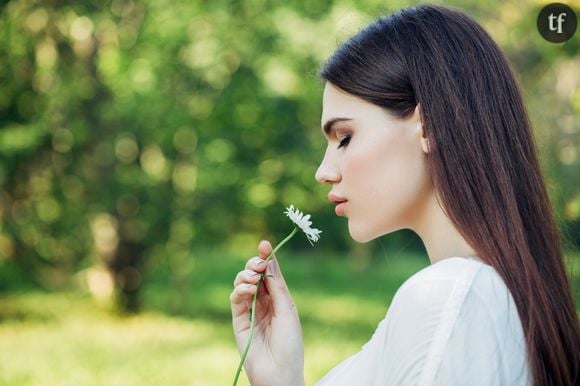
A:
(426, 130)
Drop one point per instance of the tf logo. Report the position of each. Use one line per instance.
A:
(557, 22)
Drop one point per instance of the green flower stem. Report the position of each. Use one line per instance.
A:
(282, 243)
(253, 309)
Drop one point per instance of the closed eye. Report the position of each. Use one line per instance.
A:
(344, 142)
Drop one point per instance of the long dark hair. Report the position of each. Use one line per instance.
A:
(482, 161)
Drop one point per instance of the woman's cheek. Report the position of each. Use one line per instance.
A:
(357, 167)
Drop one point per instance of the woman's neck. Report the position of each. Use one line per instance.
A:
(440, 236)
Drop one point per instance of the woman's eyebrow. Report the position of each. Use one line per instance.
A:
(328, 126)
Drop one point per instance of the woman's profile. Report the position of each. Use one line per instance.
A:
(427, 130)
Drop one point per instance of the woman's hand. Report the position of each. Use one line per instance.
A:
(276, 356)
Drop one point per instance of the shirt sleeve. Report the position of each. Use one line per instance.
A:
(422, 318)
(360, 368)
(486, 346)
(418, 320)
(441, 330)
(444, 332)
(398, 352)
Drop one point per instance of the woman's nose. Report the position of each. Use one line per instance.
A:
(326, 174)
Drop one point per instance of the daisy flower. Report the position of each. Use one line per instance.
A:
(303, 222)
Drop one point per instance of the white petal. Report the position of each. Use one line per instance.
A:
(303, 222)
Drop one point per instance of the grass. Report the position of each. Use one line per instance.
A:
(184, 335)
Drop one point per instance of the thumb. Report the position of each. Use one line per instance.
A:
(274, 280)
(276, 285)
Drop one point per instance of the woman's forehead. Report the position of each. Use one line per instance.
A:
(338, 104)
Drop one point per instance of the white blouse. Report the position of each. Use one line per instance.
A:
(452, 323)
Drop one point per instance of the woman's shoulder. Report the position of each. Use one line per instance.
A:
(453, 277)
(454, 289)
(453, 269)
(458, 317)
(448, 269)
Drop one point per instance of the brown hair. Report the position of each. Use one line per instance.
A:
(483, 160)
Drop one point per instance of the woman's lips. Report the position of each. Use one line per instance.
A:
(339, 201)
(339, 209)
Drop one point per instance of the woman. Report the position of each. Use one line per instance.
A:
(426, 130)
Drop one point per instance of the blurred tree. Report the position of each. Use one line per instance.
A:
(133, 132)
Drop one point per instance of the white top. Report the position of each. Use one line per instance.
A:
(452, 323)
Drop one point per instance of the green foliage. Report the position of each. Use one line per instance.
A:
(132, 132)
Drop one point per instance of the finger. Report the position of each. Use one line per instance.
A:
(256, 264)
(246, 276)
(264, 249)
(276, 285)
(239, 299)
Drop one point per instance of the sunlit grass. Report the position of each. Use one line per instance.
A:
(68, 339)
(83, 345)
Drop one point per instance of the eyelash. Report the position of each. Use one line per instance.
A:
(344, 142)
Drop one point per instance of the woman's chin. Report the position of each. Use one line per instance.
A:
(362, 233)
(359, 234)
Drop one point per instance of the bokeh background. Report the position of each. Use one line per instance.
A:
(147, 146)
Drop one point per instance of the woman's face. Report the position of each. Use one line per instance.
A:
(375, 164)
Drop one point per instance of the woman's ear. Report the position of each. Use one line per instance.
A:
(426, 145)
(425, 142)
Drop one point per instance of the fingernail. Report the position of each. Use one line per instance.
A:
(252, 273)
(273, 268)
(258, 261)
